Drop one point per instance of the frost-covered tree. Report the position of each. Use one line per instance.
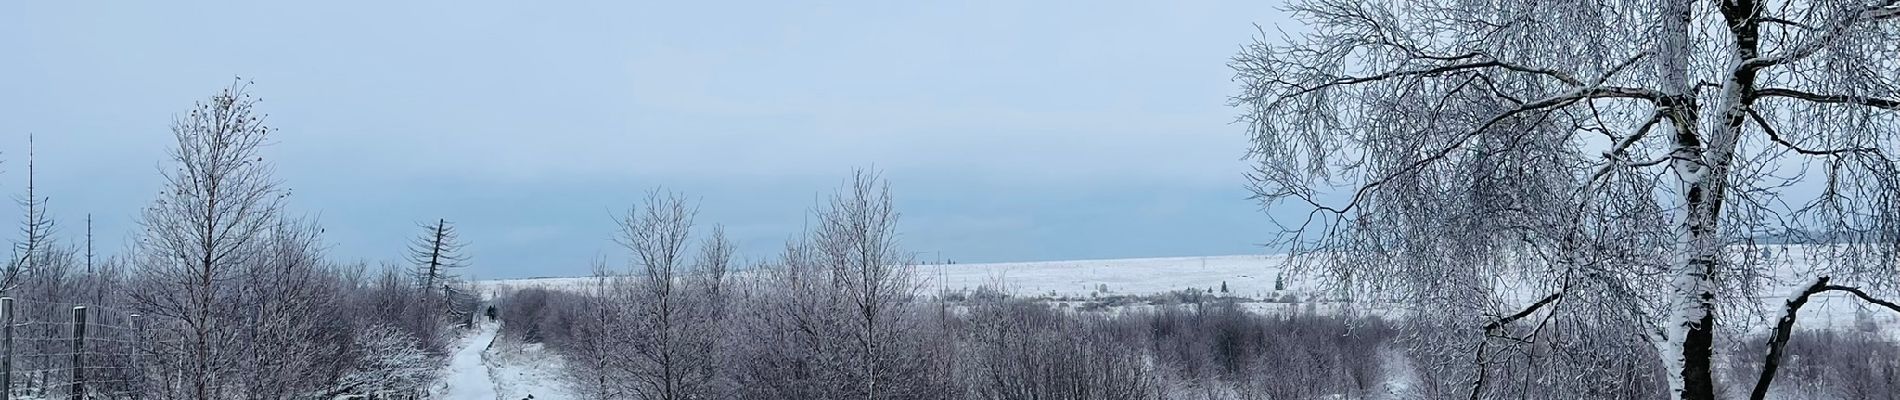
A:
(857, 240)
(218, 202)
(291, 334)
(1519, 166)
(835, 317)
(676, 302)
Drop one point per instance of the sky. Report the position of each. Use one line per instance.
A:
(1009, 130)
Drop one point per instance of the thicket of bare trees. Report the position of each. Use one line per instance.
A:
(224, 295)
(840, 304)
(837, 315)
(1530, 167)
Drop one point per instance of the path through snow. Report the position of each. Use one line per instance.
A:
(468, 376)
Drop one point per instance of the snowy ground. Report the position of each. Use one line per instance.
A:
(526, 371)
(491, 367)
(468, 378)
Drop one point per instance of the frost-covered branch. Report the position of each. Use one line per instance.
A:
(1833, 31)
(1778, 343)
(1526, 312)
(1775, 136)
(1876, 102)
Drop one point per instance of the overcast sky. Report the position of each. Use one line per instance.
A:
(1010, 130)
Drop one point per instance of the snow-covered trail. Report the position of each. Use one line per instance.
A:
(468, 377)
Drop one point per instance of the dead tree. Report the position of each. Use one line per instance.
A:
(437, 253)
(36, 230)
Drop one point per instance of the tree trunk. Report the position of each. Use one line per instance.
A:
(1688, 341)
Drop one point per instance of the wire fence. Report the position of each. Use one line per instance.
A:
(57, 350)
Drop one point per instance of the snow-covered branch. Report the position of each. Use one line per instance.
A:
(1778, 343)
(1526, 312)
(1775, 136)
(1876, 102)
(1885, 10)
(1445, 69)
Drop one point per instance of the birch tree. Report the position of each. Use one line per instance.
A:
(1523, 165)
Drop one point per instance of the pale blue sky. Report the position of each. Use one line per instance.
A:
(1011, 130)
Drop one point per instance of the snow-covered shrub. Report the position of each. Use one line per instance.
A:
(388, 360)
(1021, 349)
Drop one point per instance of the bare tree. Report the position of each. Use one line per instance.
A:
(875, 279)
(656, 234)
(218, 200)
(292, 340)
(1519, 164)
(834, 317)
(795, 347)
(710, 311)
(675, 301)
(596, 336)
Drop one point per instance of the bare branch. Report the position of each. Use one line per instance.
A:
(1526, 312)
(1345, 81)
(1889, 104)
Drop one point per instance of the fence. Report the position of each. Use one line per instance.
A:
(53, 350)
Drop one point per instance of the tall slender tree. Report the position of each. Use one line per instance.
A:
(1518, 163)
(876, 284)
(36, 228)
(218, 204)
(677, 303)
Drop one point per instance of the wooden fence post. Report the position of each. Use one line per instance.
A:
(6, 346)
(138, 352)
(79, 353)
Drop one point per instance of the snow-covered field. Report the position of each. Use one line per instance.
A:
(1249, 276)
(1253, 277)
(1245, 275)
